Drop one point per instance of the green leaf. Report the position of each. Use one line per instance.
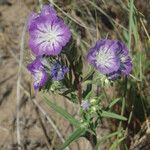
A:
(64, 113)
(114, 102)
(79, 66)
(107, 114)
(116, 143)
(105, 138)
(74, 136)
(88, 78)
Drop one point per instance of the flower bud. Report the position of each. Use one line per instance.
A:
(93, 109)
(85, 105)
(93, 101)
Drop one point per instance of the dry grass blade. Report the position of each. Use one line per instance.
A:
(50, 121)
(39, 107)
(18, 86)
(146, 32)
(41, 3)
(46, 116)
(70, 17)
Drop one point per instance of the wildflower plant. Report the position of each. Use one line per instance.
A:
(58, 68)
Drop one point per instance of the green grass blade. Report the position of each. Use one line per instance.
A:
(116, 143)
(106, 137)
(74, 136)
(114, 102)
(107, 114)
(62, 112)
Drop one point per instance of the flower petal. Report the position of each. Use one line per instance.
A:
(48, 36)
(58, 71)
(48, 10)
(103, 56)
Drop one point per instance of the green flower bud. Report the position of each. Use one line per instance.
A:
(93, 109)
(84, 125)
(93, 101)
(107, 81)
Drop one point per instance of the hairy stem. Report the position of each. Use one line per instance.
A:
(77, 81)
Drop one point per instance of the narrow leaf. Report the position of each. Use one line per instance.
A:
(105, 138)
(114, 102)
(74, 136)
(116, 143)
(112, 115)
(62, 112)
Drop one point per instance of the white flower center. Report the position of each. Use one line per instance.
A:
(51, 35)
(103, 57)
(48, 33)
(123, 59)
(38, 76)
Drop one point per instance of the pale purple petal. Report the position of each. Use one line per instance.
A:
(40, 79)
(35, 65)
(31, 19)
(48, 10)
(39, 74)
(48, 36)
(126, 64)
(114, 75)
(85, 105)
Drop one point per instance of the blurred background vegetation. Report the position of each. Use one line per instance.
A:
(89, 20)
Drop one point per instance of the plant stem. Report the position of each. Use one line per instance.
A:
(77, 80)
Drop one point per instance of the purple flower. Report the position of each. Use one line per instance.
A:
(46, 10)
(48, 33)
(85, 105)
(110, 57)
(39, 74)
(31, 19)
(58, 71)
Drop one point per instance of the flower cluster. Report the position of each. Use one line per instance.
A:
(40, 71)
(48, 33)
(58, 71)
(90, 105)
(110, 57)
